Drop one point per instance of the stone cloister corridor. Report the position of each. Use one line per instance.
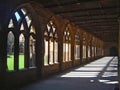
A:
(59, 44)
(98, 75)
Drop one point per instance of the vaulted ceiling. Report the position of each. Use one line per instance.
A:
(99, 17)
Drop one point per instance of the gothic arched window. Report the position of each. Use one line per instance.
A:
(93, 46)
(67, 45)
(51, 44)
(21, 51)
(32, 43)
(10, 51)
(89, 45)
(21, 24)
(84, 46)
(77, 46)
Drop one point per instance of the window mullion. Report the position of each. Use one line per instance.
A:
(26, 52)
(53, 51)
(65, 52)
(68, 51)
(48, 51)
(16, 53)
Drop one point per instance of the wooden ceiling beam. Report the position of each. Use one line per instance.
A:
(97, 21)
(91, 19)
(64, 11)
(99, 25)
(53, 4)
(104, 30)
(85, 15)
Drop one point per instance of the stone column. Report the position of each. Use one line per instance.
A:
(119, 38)
(119, 51)
(72, 51)
(2, 48)
(81, 49)
(3, 56)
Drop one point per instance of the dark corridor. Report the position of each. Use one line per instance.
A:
(113, 51)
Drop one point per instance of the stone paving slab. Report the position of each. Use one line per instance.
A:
(100, 74)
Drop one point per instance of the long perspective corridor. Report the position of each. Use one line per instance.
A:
(59, 44)
(97, 75)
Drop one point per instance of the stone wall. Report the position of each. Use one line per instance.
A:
(41, 17)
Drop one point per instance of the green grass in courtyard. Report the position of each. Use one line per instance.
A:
(10, 62)
(21, 61)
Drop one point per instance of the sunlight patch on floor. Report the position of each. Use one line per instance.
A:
(108, 81)
(81, 74)
(93, 69)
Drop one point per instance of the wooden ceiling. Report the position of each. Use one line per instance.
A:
(99, 17)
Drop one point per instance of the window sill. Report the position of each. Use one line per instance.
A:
(51, 64)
